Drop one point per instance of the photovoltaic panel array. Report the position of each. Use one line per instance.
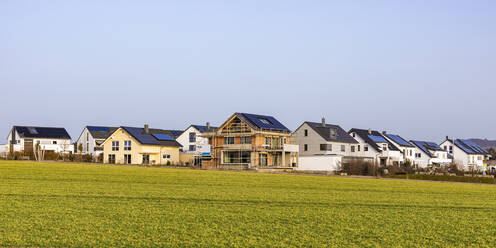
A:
(378, 139)
(162, 137)
(103, 129)
(398, 140)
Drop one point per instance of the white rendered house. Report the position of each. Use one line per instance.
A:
(406, 148)
(429, 153)
(26, 139)
(324, 147)
(91, 139)
(192, 140)
(465, 153)
(376, 147)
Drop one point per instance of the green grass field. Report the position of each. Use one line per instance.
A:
(50, 204)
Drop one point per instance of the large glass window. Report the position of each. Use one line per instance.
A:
(236, 157)
(127, 158)
(263, 161)
(245, 140)
(192, 148)
(228, 140)
(111, 158)
(127, 145)
(192, 137)
(146, 158)
(115, 145)
(326, 147)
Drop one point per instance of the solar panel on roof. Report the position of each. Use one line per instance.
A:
(474, 146)
(103, 129)
(378, 139)
(162, 137)
(398, 140)
(176, 133)
(265, 122)
(463, 147)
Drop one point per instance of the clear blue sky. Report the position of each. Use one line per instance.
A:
(422, 69)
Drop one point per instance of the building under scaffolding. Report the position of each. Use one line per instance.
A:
(248, 141)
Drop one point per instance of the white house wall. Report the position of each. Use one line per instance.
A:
(319, 163)
(201, 143)
(314, 140)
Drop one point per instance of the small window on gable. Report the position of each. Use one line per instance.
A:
(306, 132)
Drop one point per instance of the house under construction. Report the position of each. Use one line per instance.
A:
(250, 141)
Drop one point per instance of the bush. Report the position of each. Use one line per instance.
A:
(358, 167)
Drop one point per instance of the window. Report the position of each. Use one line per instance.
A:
(451, 149)
(358, 147)
(306, 132)
(127, 158)
(326, 147)
(54, 142)
(166, 156)
(146, 158)
(343, 148)
(445, 148)
(384, 147)
(366, 148)
(333, 133)
(268, 141)
(418, 155)
(115, 145)
(192, 148)
(111, 158)
(411, 152)
(305, 147)
(262, 157)
(87, 147)
(127, 145)
(192, 137)
(87, 136)
(265, 121)
(228, 140)
(352, 148)
(353, 134)
(236, 157)
(245, 139)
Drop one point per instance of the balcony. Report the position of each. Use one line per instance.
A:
(291, 148)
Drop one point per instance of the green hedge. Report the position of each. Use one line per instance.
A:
(446, 178)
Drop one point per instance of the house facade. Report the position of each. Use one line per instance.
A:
(429, 153)
(133, 145)
(192, 140)
(406, 148)
(250, 141)
(50, 139)
(377, 148)
(465, 153)
(325, 147)
(91, 139)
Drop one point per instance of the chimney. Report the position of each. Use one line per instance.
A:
(370, 131)
(146, 129)
(447, 138)
(384, 132)
(323, 122)
(208, 126)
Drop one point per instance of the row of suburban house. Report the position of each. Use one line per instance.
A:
(250, 141)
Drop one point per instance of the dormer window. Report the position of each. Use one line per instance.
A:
(265, 121)
(333, 133)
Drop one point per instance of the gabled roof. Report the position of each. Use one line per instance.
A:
(398, 140)
(469, 147)
(427, 146)
(262, 122)
(325, 132)
(203, 129)
(42, 132)
(100, 132)
(153, 137)
(370, 137)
